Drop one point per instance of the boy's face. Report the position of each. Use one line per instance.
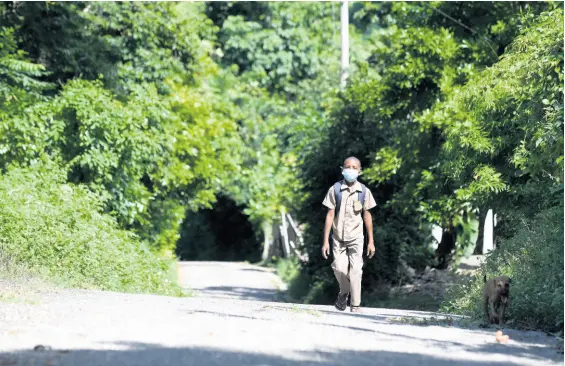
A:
(352, 164)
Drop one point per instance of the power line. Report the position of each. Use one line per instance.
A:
(462, 25)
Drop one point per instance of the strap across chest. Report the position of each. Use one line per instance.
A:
(337, 191)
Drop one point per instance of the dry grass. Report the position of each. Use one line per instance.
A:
(19, 284)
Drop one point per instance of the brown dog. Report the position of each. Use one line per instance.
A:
(495, 295)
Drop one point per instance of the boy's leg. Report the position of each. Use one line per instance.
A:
(355, 254)
(340, 266)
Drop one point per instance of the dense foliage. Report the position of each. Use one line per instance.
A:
(57, 227)
(517, 106)
(193, 125)
(154, 143)
(427, 156)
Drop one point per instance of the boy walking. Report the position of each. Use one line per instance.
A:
(348, 203)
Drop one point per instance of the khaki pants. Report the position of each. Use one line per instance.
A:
(348, 267)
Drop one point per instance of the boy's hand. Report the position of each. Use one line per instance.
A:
(371, 249)
(326, 249)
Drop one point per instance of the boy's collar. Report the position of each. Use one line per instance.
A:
(356, 186)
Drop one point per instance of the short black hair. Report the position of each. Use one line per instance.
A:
(353, 158)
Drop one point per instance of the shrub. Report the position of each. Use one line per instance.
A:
(60, 229)
(288, 269)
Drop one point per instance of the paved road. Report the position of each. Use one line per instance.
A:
(231, 280)
(232, 322)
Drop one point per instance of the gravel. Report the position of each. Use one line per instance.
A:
(235, 319)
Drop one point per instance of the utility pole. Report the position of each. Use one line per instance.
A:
(344, 43)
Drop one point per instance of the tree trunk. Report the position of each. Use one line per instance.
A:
(268, 241)
(443, 251)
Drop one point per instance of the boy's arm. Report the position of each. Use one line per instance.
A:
(329, 202)
(328, 225)
(368, 220)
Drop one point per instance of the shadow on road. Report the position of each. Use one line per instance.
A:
(258, 317)
(150, 354)
(531, 351)
(242, 293)
(256, 270)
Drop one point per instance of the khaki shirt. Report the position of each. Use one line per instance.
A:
(348, 223)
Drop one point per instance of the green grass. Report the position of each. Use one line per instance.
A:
(287, 269)
(59, 232)
(447, 321)
(296, 309)
(299, 283)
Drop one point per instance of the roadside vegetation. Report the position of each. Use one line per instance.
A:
(135, 134)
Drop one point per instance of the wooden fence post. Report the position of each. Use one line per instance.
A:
(295, 228)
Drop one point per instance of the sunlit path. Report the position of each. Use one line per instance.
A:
(236, 280)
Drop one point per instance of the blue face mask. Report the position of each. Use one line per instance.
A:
(350, 175)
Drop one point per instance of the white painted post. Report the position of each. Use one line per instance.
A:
(488, 244)
(344, 43)
(437, 232)
(284, 233)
